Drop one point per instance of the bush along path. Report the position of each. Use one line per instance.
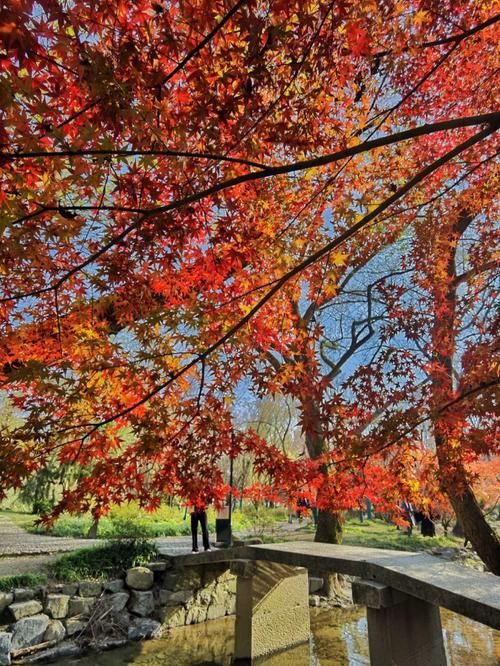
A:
(22, 551)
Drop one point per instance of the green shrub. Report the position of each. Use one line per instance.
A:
(8, 583)
(258, 520)
(130, 521)
(126, 521)
(111, 559)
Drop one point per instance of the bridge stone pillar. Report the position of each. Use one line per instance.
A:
(402, 629)
(272, 609)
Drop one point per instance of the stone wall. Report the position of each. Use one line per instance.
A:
(60, 620)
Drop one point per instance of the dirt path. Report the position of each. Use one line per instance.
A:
(15, 541)
(12, 566)
(23, 552)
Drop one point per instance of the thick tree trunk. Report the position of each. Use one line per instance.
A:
(470, 517)
(477, 530)
(329, 527)
(447, 427)
(329, 524)
(458, 528)
(93, 529)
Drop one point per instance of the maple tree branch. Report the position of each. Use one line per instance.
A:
(492, 120)
(452, 39)
(63, 210)
(463, 277)
(123, 152)
(436, 412)
(455, 39)
(385, 113)
(296, 270)
(357, 341)
(195, 51)
(388, 112)
(273, 360)
(202, 385)
(479, 388)
(295, 73)
(77, 114)
(463, 35)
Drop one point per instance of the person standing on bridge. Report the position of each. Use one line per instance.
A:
(199, 517)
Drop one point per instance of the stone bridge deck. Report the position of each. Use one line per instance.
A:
(470, 593)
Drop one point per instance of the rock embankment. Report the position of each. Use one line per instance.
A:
(61, 620)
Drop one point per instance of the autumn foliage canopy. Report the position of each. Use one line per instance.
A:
(193, 190)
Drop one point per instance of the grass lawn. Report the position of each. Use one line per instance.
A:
(21, 518)
(379, 534)
(129, 520)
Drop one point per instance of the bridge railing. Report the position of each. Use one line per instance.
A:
(402, 592)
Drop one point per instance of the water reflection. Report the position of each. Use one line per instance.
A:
(469, 642)
(339, 638)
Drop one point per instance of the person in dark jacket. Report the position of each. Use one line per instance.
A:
(427, 524)
(199, 517)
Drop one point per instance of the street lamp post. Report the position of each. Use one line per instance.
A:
(223, 529)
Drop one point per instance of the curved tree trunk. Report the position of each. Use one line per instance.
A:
(477, 530)
(447, 426)
(470, 516)
(458, 528)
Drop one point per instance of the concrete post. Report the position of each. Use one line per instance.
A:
(272, 609)
(402, 630)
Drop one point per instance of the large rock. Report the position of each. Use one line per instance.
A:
(171, 616)
(114, 585)
(74, 626)
(56, 588)
(55, 631)
(168, 598)
(118, 601)
(5, 641)
(141, 603)
(215, 612)
(122, 618)
(140, 578)
(89, 588)
(24, 594)
(70, 589)
(206, 593)
(220, 596)
(230, 584)
(24, 609)
(142, 628)
(56, 605)
(81, 605)
(29, 631)
(196, 614)
(6, 598)
(182, 579)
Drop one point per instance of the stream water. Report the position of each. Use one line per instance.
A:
(339, 638)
